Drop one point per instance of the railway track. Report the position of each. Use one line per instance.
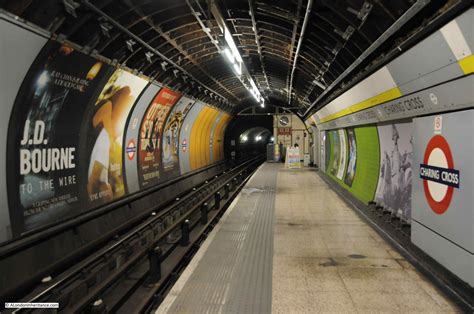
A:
(134, 270)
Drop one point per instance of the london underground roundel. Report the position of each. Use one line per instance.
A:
(184, 145)
(438, 174)
(131, 149)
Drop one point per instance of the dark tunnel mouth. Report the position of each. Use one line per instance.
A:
(255, 135)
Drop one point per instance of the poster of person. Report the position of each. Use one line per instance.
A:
(151, 131)
(44, 145)
(342, 154)
(351, 165)
(396, 151)
(171, 130)
(105, 139)
(336, 153)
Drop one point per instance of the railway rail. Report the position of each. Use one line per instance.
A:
(133, 271)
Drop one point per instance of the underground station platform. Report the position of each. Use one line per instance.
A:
(290, 244)
(223, 156)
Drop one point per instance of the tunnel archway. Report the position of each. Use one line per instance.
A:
(251, 141)
(249, 127)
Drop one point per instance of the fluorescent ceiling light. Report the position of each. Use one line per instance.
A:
(233, 55)
(229, 55)
(237, 68)
(320, 84)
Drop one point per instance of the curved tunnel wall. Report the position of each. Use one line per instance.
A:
(376, 114)
(83, 134)
(400, 137)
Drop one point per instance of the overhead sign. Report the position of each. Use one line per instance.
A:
(457, 93)
(284, 131)
(438, 174)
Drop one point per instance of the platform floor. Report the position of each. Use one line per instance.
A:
(289, 244)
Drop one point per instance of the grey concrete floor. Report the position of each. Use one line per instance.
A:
(327, 260)
(305, 244)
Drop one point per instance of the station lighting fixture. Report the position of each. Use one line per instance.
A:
(106, 27)
(149, 55)
(130, 44)
(319, 83)
(232, 54)
(238, 68)
(70, 6)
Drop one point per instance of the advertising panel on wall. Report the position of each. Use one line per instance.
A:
(21, 46)
(207, 140)
(396, 150)
(218, 137)
(151, 130)
(46, 158)
(339, 153)
(185, 136)
(342, 155)
(131, 137)
(335, 152)
(105, 140)
(197, 155)
(323, 150)
(351, 165)
(214, 138)
(328, 151)
(363, 160)
(170, 140)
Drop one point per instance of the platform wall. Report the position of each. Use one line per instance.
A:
(80, 133)
(407, 74)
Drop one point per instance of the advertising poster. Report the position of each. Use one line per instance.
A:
(185, 136)
(171, 130)
(292, 160)
(44, 150)
(106, 126)
(327, 150)
(351, 165)
(131, 138)
(151, 131)
(342, 154)
(396, 151)
(336, 153)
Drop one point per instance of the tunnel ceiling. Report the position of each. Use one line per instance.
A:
(177, 41)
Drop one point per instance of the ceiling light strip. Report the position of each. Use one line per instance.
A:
(300, 41)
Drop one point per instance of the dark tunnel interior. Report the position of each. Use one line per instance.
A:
(322, 139)
(240, 139)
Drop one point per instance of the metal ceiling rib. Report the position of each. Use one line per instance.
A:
(341, 40)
